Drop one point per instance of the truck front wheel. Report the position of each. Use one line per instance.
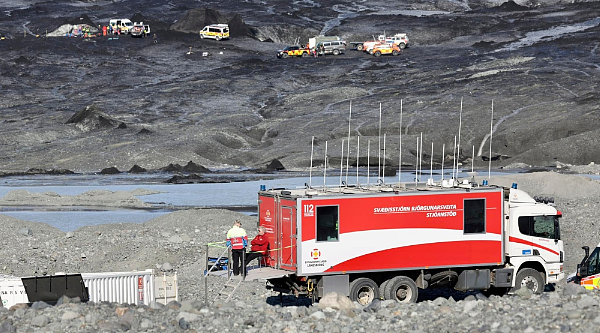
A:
(402, 289)
(363, 291)
(359, 47)
(531, 279)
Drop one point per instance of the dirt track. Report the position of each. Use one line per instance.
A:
(242, 106)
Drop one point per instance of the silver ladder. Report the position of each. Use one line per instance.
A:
(232, 282)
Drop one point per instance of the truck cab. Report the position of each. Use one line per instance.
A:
(533, 237)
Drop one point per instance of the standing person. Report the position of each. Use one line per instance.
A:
(154, 39)
(260, 245)
(237, 241)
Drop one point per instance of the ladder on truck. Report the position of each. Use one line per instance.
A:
(231, 284)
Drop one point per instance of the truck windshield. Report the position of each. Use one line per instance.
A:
(540, 226)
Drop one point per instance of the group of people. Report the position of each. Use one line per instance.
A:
(237, 241)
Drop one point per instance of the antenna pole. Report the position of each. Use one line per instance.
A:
(342, 165)
(459, 128)
(473, 158)
(368, 161)
(491, 132)
(379, 148)
(443, 153)
(421, 158)
(383, 170)
(325, 170)
(348, 153)
(453, 158)
(357, 157)
(431, 164)
(400, 147)
(417, 164)
(312, 147)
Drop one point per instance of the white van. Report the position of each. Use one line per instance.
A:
(215, 31)
(124, 24)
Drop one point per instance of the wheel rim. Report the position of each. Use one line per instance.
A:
(530, 283)
(404, 294)
(365, 295)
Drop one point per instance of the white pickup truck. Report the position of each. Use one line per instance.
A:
(399, 39)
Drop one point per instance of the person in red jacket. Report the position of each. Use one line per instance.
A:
(260, 245)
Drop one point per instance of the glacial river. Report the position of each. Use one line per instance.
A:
(242, 195)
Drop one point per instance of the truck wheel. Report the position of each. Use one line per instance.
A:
(531, 279)
(285, 55)
(401, 46)
(377, 53)
(395, 53)
(218, 38)
(402, 289)
(304, 54)
(359, 47)
(201, 36)
(363, 291)
(336, 52)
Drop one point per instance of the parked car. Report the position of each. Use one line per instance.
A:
(293, 51)
(334, 47)
(386, 48)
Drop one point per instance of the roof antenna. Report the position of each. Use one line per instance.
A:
(379, 148)
(430, 180)
(368, 161)
(348, 153)
(325, 169)
(400, 147)
(491, 131)
(383, 170)
(459, 128)
(417, 165)
(421, 158)
(443, 152)
(312, 149)
(357, 157)
(342, 165)
(453, 159)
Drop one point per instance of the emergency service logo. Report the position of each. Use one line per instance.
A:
(268, 216)
(315, 254)
(315, 259)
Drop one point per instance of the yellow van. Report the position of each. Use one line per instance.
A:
(215, 31)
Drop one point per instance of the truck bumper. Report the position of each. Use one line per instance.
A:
(555, 272)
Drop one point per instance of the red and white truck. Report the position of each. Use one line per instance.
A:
(390, 241)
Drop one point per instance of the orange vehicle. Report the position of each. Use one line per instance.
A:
(386, 48)
(291, 51)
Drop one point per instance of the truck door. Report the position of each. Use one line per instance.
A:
(287, 226)
(540, 236)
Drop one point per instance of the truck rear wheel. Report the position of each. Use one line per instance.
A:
(363, 291)
(401, 289)
(377, 53)
(401, 45)
(359, 47)
(304, 54)
(336, 52)
(531, 279)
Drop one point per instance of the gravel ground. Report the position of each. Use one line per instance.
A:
(178, 240)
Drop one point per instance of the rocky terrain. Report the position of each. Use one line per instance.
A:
(152, 104)
(85, 105)
(176, 242)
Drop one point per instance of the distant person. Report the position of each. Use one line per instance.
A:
(154, 39)
(260, 246)
(237, 241)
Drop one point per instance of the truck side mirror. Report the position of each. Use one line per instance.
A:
(582, 269)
